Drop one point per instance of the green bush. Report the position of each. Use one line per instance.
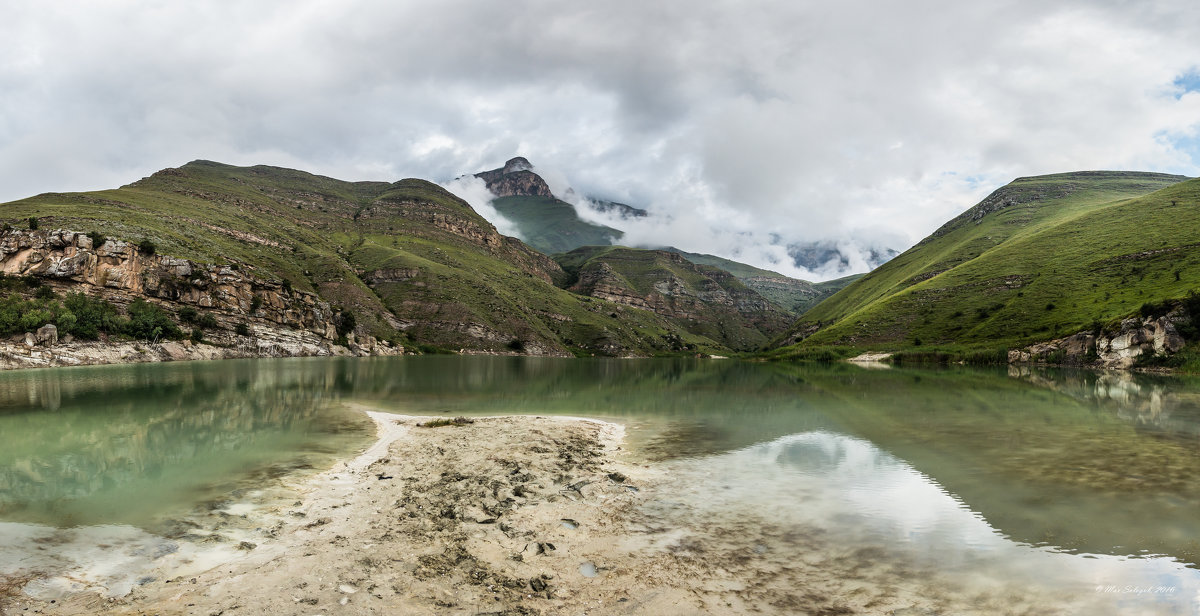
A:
(33, 223)
(255, 304)
(187, 314)
(207, 321)
(97, 238)
(242, 329)
(1190, 329)
(147, 248)
(148, 321)
(345, 323)
(91, 316)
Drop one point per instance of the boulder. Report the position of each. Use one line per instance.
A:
(47, 335)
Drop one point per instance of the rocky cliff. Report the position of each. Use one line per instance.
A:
(281, 321)
(1134, 340)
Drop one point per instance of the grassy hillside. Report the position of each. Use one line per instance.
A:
(791, 294)
(552, 226)
(706, 301)
(414, 263)
(1041, 257)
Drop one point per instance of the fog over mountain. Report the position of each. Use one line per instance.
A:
(743, 128)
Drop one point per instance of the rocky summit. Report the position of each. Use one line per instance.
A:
(515, 179)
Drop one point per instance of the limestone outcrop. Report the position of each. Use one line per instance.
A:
(282, 321)
(1121, 349)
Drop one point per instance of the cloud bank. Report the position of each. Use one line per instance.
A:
(739, 122)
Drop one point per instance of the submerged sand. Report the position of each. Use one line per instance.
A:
(501, 515)
(526, 515)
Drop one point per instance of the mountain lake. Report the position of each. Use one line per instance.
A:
(1079, 487)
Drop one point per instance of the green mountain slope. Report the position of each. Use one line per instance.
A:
(706, 301)
(412, 262)
(552, 226)
(1039, 258)
(792, 294)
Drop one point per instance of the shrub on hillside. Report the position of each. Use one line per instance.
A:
(89, 317)
(1190, 329)
(150, 322)
(207, 321)
(345, 322)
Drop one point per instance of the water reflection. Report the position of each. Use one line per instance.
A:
(874, 512)
(1084, 462)
(1168, 405)
(1075, 462)
(135, 444)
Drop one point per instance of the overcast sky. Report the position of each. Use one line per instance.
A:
(740, 124)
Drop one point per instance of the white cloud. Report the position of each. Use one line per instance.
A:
(739, 122)
(475, 192)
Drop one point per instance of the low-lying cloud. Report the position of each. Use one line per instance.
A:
(475, 192)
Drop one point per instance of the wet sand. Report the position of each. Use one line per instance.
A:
(527, 515)
(503, 515)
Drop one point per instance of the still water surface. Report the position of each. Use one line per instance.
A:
(1057, 484)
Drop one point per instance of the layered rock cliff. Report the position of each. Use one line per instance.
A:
(278, 320)
(1123, 348)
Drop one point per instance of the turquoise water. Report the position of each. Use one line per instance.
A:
(145, 444)
(1073, 483)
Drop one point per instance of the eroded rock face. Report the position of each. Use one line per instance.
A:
(1121, 349)
(69, 256)
(283, 322)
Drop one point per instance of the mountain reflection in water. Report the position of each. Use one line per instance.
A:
(127, 444)
(1014, 473)
(833, 498)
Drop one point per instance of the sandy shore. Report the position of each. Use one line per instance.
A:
(520, 515)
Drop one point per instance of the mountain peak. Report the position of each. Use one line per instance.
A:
(520, 163)
(515, 179)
